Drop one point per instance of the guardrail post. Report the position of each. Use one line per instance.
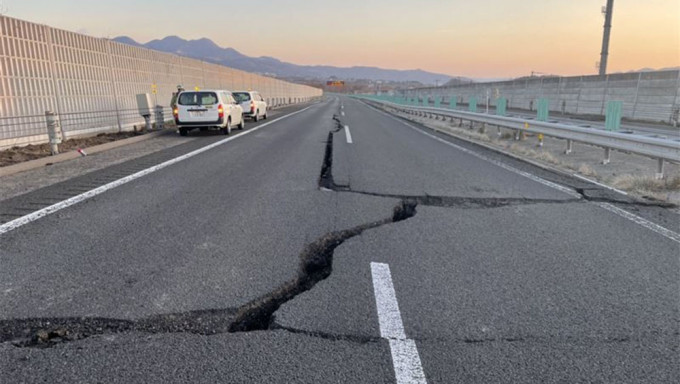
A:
(570, 147)
(660, 169)
(607, 156)
(53, 132)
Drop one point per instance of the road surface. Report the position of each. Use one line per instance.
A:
(336, 244)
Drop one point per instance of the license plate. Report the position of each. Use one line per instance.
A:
(196, 113)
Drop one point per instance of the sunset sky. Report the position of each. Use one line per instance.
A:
(481, 39)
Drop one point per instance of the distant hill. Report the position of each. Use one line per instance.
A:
(205, 49)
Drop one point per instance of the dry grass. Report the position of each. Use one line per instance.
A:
(646, 183)
(459, 131)
(585, 170)
(547, 157)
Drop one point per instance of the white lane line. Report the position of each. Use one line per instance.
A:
(348, 135)
(576, 175)
(31, 217)
(640, 221)
(625, 214)
(405, 358)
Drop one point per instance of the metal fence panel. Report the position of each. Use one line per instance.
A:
(47, 69)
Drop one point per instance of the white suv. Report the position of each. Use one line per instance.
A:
(252, 103)
(207, 109)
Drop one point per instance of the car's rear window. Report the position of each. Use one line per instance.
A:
(198, 98)
(241, 96)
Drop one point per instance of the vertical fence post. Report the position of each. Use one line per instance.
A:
(605, 93)
(113, 84)
(675, 109)
(578, 96)
(53, 69)
(53, 132)
(637, 93)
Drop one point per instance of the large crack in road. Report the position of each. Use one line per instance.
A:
(316, 264)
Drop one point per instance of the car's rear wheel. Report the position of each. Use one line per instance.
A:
(242, 125)
(256, 117)
(264, 117)
(183, 132)
(227, 130)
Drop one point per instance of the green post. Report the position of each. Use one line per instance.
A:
(543, 110)
(437, 101)
(501, 106)
(613, 117)
(453, 101)
(472, 104)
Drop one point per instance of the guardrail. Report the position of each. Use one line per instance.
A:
(657, 148)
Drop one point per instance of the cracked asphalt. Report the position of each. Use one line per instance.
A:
(250, 263)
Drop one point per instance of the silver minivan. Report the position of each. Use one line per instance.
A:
(207, 109)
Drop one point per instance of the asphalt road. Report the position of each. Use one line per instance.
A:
(360, 249)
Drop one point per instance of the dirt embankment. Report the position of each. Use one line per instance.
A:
(31, 152)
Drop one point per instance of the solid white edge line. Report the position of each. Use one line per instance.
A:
(348, 135)
(620, 212)
(31, 217)
(576, 175)
(640, 221)
(405, 358)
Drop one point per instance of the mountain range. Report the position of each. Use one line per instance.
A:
(206, 49)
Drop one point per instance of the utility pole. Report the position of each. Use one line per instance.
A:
(608, 11)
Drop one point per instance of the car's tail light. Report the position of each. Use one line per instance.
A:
(220, 111)
(252, 106)
(175, 113)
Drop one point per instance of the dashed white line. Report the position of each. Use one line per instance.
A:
(405, 359)
(14, 224)
(348, 135)
(609, 207)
